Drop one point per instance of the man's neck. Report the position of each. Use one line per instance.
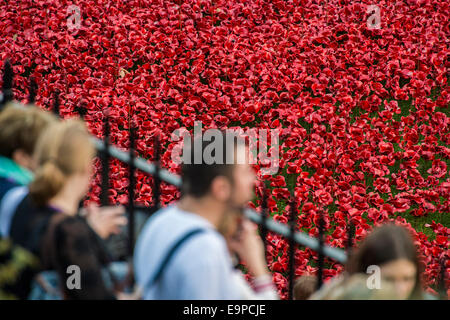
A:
(205, 207)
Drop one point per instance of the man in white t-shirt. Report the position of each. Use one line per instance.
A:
(179, 253)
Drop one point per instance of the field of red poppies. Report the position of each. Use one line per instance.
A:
(363, 111)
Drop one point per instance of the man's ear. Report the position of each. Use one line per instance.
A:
(221, 188)
(23, 159)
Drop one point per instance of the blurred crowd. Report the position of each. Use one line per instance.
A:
(200, 247)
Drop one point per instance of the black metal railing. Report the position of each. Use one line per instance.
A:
(289, 231)
(294, 237)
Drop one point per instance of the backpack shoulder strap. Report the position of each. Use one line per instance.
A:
(171, 253)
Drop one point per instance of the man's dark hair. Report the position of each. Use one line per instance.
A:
(198, 176)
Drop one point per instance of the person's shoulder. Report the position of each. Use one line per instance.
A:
(207, 243)
(171, 220)
(26, 204)
(155, 222)
(156, 227)
(162, 215)
(65, 223)
(27, 207)
(429, 296)
(5, 185)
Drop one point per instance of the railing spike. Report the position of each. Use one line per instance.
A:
(321, 257)
(56, 104)
(350, 235)
(292, 246)
(131, 186)
(441, 286)
(81, 110)
(104, 158)
(32, 91)
(156, 177)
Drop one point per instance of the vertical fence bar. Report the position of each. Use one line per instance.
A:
(81, 203)
(81, 110)
(56, 104)
(32, 91)
(8, 76)
(131, 186)
(350, 236)
(156, 178)
(321, 257)
(264, 213)
(104, 158)
(292, 247)
(441, 285)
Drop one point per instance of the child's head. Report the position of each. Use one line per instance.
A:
(20, 128)
(304, 287)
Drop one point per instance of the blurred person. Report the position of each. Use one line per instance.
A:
(243, 240)
(17, 270)
(180, 254)
(304, 287)
(391, 248)
(20, 127)
(64, 155)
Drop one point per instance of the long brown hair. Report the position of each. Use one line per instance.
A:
(384, 244)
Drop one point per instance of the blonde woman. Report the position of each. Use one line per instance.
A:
(64, 155)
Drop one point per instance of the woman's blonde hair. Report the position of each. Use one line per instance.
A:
(63, 149)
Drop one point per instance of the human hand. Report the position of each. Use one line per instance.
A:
(136, 295)
(106, 221)
(250, 248)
